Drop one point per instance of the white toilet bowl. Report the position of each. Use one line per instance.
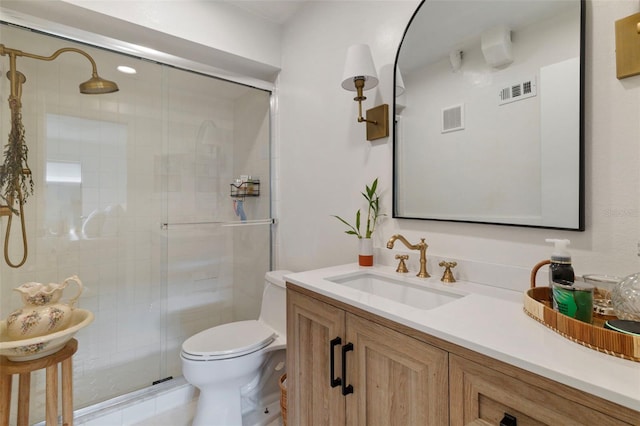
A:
(226, 361)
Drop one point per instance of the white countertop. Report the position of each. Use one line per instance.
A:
(491, 321)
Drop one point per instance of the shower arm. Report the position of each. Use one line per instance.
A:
(14, 53)
(95, 85)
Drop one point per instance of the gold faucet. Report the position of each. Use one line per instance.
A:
(422, 246)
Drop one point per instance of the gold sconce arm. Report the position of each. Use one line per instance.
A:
(377, 118)
(359, 83)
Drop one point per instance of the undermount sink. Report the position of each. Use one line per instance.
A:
(396, 290)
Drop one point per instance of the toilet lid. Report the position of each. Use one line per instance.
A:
(228, 341)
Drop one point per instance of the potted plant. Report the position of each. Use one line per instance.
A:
(365, 256)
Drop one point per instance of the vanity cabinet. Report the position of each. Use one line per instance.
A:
(344, 369)
(481, 395)
(393, 374)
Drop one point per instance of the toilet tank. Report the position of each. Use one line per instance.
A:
(274, 301)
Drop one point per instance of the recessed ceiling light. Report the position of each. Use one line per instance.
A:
(127, 70)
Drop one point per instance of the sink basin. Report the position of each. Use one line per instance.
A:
(397, 290)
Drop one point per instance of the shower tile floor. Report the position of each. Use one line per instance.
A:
(169, 407)
(180, 416)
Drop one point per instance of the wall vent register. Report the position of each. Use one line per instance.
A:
(518, 91)
(453, 118)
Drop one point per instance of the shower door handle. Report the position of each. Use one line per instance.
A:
(335, 381)
(346, 389)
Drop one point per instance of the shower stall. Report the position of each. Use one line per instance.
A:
(133, 193)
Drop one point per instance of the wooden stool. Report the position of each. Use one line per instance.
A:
(24, 369)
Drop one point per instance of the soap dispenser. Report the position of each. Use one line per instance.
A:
(560, 269)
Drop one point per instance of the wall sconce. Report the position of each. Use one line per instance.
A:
(628, 46)
(360, 75)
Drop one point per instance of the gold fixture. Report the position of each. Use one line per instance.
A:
(628, 46)
(360, 75)
(377, 122)
(448, 277)
(402, 267)
(16, 181)
(422, 246)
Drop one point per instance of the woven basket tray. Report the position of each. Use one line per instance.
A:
(594, 336)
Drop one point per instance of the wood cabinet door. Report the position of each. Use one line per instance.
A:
(482, 393)
(396, 379)
(311, 326)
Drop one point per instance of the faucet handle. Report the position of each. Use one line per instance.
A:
(402, 267)
(448, 277)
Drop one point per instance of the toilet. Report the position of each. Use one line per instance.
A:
(235, 365)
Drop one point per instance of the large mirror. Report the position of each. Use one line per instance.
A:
(489, 113)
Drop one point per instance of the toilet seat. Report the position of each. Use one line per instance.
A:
(228, 341)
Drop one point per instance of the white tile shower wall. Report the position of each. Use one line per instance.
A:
(252, 156)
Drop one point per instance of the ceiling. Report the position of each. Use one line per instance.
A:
(278, 11)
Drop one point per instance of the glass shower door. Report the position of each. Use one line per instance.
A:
(132, 194)
(218, 246)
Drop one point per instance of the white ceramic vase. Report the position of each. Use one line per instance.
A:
(365, 252)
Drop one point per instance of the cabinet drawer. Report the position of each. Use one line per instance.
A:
(479, 392)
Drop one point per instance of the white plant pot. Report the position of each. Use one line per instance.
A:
(365, 252)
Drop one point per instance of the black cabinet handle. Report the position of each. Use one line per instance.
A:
(346, 389)
(335, 381)
(508, 420)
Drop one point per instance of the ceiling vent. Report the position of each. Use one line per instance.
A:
(517, 91)
(453, 118)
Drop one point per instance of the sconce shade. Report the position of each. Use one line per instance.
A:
(359, 63)
(399, 82)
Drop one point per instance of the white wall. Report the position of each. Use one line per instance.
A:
(325, 160)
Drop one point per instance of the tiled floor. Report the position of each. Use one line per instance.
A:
(169, 405)
(179, 416)
(182, 416)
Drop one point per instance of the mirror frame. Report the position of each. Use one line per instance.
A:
(581, 130)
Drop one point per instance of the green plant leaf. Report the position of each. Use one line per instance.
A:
(372, 191)
(352, 230)
(373, 212)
